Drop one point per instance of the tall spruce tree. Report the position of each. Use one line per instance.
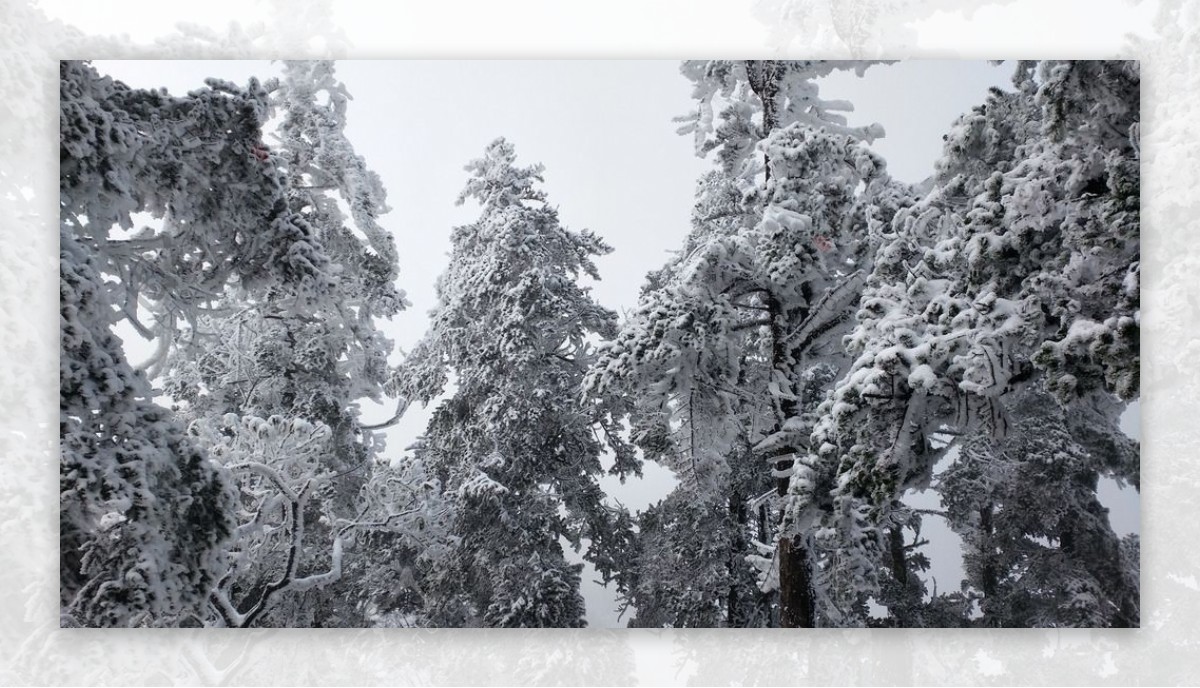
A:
(513, 445)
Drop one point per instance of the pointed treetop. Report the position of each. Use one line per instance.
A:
(496, 181)
(304, 79)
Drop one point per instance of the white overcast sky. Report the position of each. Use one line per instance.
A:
(614, 164)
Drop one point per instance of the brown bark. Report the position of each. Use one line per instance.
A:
(989, 553)
(737, 511)
(796, 604)
(896, 547)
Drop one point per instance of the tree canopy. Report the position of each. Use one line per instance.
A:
(826, 344)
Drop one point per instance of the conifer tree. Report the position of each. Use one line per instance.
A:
(1038, 548)
(514, 447)
(1016, 275)
(730, 347)
(292, 378)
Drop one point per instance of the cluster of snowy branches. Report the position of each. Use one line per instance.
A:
(826, 342)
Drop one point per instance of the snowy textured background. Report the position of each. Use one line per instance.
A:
(1163, 35)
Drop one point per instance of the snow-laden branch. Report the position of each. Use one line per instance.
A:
(831, 309)
(267, 472)
(322, 579)
(289, 580)
(401, 407)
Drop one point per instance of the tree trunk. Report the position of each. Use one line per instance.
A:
(896, 547)
(737, 513)
(764, 76)
(796, 604)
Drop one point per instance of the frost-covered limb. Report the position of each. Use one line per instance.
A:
(229, 615)
(289, 580)
(165, 331)
(269, 473)
(401, 407)
(380, 523)
(828, 311)
(321, 579)
(282, 454)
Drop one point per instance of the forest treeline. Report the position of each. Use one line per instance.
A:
(826, 341)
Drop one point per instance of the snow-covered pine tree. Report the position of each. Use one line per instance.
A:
(262, 372)
(143, 513)
(1038, 549)
(731, 344)
(512, 444)
(687, 567)
(1018, 271)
